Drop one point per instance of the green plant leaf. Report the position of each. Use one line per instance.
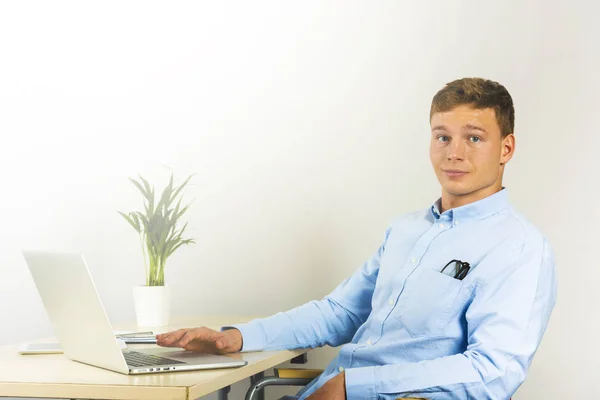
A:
(180, 187)
(146, 184)
(140, 188)
(176, 217)
(143, 220)
(149, 195)
(151, 201)
(136, 219)
(183, 242)
(133, 222)
(176, 211)
(165, 196)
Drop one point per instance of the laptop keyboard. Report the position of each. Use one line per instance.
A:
(138, 359)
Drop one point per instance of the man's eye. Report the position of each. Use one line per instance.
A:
(475, 139)
(442, 138)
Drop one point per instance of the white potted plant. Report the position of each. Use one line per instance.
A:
(160, 236)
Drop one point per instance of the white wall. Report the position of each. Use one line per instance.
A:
(307, 126)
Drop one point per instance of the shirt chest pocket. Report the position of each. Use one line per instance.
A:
(428, 302)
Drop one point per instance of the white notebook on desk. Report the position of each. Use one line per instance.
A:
(123, 337)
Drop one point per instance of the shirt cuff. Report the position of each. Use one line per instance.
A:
(253, 338)
(360, 383)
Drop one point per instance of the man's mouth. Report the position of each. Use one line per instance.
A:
(454, 173)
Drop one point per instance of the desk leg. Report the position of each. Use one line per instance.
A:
(224, 393)
(253, 380)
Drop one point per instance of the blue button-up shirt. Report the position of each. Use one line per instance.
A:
(408, 329)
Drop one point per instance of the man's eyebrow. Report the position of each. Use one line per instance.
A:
(470, 127)
(439, 128)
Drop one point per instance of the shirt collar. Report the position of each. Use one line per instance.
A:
(476, 210)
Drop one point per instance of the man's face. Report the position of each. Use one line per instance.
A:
(468, 153)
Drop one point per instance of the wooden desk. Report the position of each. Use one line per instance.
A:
(55, 376)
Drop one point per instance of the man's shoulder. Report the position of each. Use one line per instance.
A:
(525, 231)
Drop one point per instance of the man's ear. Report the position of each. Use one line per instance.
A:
(508, 148)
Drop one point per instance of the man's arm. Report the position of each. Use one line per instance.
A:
(506, 321)
(332, 320)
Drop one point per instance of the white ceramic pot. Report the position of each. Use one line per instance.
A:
(152, 305)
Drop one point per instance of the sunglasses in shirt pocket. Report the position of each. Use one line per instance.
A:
(428, 302)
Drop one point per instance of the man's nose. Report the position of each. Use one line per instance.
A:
(456, 150)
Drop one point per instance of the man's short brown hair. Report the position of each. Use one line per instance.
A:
(479, 93)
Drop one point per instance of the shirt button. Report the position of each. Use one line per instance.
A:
(369, 342)
(442, 226)
(456, 222)
(413, 260)
(391, 302)
(341, 369)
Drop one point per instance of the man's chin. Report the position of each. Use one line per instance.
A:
(457, 190)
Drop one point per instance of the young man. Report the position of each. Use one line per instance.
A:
(454, 303)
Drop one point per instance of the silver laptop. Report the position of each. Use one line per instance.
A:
(82, 327)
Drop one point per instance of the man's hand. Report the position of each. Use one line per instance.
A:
(202, 340)
(333, 389)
